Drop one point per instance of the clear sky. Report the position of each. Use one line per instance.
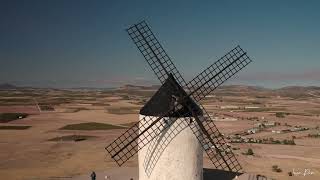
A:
(84, 43)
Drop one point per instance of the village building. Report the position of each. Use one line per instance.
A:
(253, 130)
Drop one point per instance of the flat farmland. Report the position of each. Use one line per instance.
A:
(29, 109)
(48, 150)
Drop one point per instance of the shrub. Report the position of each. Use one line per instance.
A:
(280, 114)
(314, 135)
(249, 152)
(277, 142)
(275, 168)
(125, 97)
(289, 142)
(46, 108)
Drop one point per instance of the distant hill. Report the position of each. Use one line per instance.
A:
(244, 90)
(299, 91)
(299, 88)
(136, 87)
(288, 91)
(7, 86)
(226, 90)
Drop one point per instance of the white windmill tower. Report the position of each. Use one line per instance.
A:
(173, 148)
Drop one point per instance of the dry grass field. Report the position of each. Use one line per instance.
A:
(66, 131)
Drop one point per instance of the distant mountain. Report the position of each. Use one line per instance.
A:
(7, 86)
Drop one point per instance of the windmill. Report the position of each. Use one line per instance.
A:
(173, 120)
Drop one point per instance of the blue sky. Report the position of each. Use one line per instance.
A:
(84, 43)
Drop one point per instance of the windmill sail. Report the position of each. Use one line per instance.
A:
(216, 74)
(128, 144)
(216, 147)
(153, 52)
(228, 65)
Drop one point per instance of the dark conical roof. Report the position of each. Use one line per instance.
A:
(162, 100)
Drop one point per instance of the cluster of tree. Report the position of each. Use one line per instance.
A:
(46, 108)
(281, 114)
(314, 135)
(285, 141)
(253, 118)
(289, 142)
(266, 141)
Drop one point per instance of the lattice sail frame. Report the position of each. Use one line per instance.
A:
(162, 65)
(229, 64)
(152, 51)
(122, 153)
(155, 55)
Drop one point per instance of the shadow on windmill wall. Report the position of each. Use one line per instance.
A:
(160, 143)
(216, 174)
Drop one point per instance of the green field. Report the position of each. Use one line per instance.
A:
(14, 127)
(263, 109)
(129, 124)
(73, 110)
(72, 138)
(7, 117)
(123, 110)
(91, 126)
